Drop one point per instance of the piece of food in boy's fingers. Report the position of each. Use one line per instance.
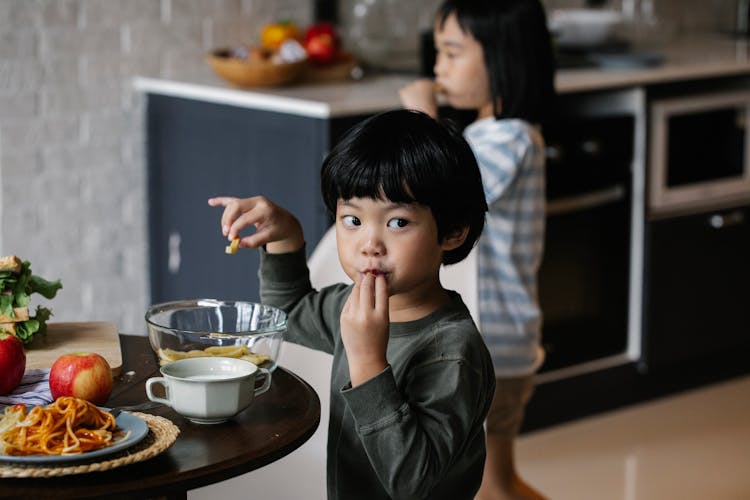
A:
(232, 247)
(438, 88)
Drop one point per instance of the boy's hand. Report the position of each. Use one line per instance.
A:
(364, 328)
(275, 227)
(420, 95)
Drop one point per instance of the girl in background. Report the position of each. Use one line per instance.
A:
(495, 57)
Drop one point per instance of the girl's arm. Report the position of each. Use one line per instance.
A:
(503, 149)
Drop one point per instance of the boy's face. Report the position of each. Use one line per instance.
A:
(396, 240)
(460, 69)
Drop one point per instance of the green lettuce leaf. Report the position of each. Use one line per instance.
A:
(26, 329)
(16, 290)
(6, 306)
(47, 289)
(42, 316)
(8, 280)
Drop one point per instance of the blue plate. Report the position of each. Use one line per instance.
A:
(125, 422)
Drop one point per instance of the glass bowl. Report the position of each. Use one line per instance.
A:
(208, 327)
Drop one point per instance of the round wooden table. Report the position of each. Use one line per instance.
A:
(277, 423)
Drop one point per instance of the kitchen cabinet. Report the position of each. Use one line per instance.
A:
(697, 288)
(693, 281)
(197, 150)
(697, 280)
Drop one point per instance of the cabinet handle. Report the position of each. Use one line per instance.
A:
(591, 147)
(718, 221)
(553, 152)
(173, 257)
(585, 201)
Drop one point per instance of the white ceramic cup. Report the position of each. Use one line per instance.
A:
(208, 390)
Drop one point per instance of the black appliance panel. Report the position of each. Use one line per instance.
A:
(587, 155)
(584, 275)
(693, 157)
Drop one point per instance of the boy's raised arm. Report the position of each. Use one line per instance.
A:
(275, 227)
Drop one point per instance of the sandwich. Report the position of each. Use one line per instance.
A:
(17, 284)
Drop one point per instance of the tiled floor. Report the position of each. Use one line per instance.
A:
(693, 445)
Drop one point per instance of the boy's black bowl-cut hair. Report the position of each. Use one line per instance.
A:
(411, 158)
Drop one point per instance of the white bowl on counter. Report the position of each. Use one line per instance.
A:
(583, 28)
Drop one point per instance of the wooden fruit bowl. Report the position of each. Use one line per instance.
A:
(340, 69)
(253, 72)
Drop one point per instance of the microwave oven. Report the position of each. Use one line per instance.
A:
(699, 158)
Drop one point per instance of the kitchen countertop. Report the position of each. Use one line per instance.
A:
(685, 59)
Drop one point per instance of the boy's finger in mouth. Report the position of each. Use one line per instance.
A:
(374, 273)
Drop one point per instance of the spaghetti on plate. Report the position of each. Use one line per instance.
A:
(67, 426)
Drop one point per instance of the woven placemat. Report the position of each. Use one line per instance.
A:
(162, 434)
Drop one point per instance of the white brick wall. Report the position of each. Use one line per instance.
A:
(72, 169)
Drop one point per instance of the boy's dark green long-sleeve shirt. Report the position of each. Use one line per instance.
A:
(415, 430)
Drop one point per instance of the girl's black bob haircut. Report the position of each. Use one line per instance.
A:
(517, 50)
(408, 157)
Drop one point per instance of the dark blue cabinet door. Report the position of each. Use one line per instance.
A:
(197, 150)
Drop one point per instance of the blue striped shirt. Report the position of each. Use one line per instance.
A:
(510, 154)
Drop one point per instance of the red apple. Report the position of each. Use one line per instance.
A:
(321, 43)
(84, 375)
(12, 362)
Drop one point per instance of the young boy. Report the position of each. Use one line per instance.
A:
(412, 380)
